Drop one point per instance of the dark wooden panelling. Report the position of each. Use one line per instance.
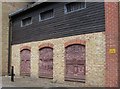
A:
(88, 20)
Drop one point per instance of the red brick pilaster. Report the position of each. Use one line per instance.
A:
(119, 46)
(111, 31)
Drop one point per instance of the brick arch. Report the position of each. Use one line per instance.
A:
(75, 41)
(46, 45)
(25, 47)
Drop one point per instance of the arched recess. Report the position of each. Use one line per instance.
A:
(75, 62)
(46, 61)
(25, 55)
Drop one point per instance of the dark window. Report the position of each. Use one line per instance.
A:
(46, 15)
(74, 6)
(26, 21)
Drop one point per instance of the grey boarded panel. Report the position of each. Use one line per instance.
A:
(89, 20)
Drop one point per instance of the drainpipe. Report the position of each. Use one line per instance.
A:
(9, 46)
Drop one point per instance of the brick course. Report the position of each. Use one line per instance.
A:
(25, 47)
(75, 41)
(46, 45)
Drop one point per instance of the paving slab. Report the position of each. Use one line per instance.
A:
(35, 82)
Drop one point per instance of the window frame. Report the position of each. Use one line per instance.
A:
(27, 24)
(65, 8)
(46, 18)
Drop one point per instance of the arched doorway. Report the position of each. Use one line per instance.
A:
(46, 62)
(25, 62)
(75, 62)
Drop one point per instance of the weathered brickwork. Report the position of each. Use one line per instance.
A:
(119, 47)
(7, 7)
(77, 41)
(95, 57)
(46, 45)
(111, 32)
(25, 47)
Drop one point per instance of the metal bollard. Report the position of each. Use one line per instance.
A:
(12, 74)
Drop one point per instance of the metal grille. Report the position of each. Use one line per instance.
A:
(73, 6)
(26, 21)
(46, 15)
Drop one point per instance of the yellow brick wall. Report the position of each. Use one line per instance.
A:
(95, 58)
(7, 7)
(0, 40)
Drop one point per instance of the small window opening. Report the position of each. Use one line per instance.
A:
(46, 15)
(74, 6)
(26, 21)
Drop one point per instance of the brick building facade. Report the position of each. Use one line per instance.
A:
(7, 8)
(57, 41)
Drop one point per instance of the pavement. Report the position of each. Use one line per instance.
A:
(36, 82)
(0, 82)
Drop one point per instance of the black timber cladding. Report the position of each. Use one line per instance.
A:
(88, 20)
